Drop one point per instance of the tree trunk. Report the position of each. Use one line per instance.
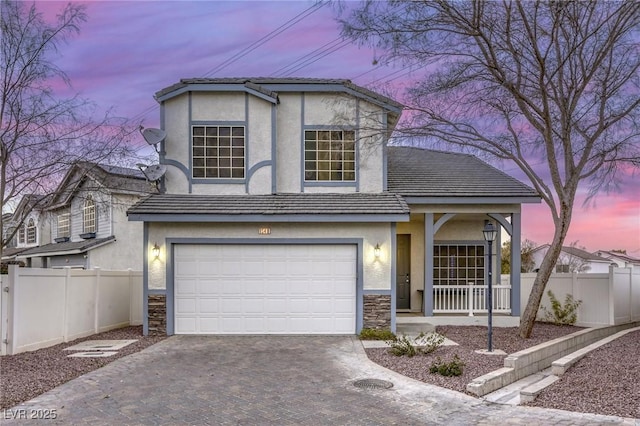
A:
(528, 318)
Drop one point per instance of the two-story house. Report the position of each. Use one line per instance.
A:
(285, 211)
(29, 228)
(85, 223)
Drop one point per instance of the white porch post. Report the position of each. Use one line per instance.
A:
(428, 265)
(514, 275)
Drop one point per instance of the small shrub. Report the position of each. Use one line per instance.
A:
(447, 369)
(402, 346)
(376, 334)
(429, 342)
(560, 314)
(423, 344)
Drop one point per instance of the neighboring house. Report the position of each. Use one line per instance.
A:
(29, 220)
(572, 259)
(621, 260)
(284, 211)
(86, 220)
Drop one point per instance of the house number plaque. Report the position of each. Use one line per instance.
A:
(264, 231)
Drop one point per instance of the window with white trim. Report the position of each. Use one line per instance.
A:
(64, 225)
(218, 152)
(89, 215)
(31, 232)
(458, 264)
(22, 234)
(330, 155)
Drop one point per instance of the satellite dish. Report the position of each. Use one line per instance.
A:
(153, 136)
(155, 171)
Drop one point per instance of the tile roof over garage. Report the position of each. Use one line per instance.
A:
(417, 172)
(173, 206)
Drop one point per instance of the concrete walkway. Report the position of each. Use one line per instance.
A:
(269, 380)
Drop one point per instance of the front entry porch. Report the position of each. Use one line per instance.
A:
(446, 254)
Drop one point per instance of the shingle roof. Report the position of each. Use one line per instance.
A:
(113, 178)
(607, 254)
(8, 253)
(417, 172)
(68, 247)
(575, 252)
(256, 83)
(271, 205)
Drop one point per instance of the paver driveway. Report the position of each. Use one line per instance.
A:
(269, 380)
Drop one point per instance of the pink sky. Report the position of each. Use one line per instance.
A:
(128, 50)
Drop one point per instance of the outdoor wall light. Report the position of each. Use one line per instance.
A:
(376, 251)
(155, 250)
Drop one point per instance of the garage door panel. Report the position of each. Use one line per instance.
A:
(208, 306)
(257, 289)
(275, 305)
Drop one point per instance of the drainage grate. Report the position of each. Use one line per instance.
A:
(372, 384)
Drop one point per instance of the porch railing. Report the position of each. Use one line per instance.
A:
(470, 299)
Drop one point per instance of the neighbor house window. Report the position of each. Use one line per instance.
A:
(458, 264)
(562, 269)
(330, 155)
(31, 232)
(64, 225)
(22, 234)
(89, 215)
(218, 152)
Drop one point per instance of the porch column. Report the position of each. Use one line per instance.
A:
(515, 263)
(427, 294)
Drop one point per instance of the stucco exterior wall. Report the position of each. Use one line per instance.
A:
(376, 272)
(126, 251)
(295, 112)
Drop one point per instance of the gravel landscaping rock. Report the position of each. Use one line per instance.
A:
(29, 374)
(605, 381)
(469, 339)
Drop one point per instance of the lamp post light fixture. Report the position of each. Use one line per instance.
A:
(489, 232)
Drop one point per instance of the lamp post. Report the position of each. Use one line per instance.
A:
(489, 232)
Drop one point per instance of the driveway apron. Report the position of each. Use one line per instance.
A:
(269, 380)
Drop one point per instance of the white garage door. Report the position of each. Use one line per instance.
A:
(265, 289)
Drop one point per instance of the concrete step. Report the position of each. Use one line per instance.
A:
(510, 394)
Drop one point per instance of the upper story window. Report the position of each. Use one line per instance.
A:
(330, 155)
(64, 225)
(22, 234)
(218, 152)
(31, 232)
(89, 215)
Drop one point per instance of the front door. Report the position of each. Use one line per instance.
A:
(403, 269)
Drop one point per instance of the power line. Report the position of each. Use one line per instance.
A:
(291, 22)
(304, 57)
(319, 56)
(288, 24)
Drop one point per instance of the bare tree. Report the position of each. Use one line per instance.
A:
(526, 256)
(42, 134)
(573, 257)
(551, 86)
